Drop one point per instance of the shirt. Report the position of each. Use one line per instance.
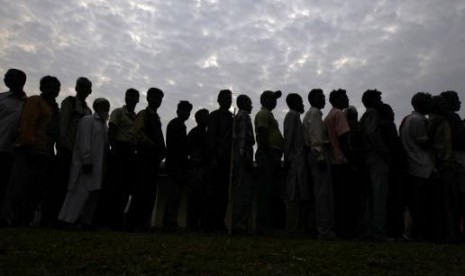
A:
(336, 125)
(177, 144)
(371, 131)
(316, 137)
(150, 140)
(414, 132)
(219, 134)
(123, 120)
(244, 135)
(72, 110)
(264, 119)
(10, 111)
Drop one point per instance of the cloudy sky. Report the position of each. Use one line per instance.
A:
(192, 49)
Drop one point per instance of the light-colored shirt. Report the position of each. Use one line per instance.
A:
(11, 106)
(316, 137)
(123, 120)
(336, 125)
(413, 133)
(264, 119)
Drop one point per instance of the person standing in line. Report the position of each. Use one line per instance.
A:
(338, 129)
(376, 159)
(243, 165)
(198, 172)
(151, 151)
(121, 164)
(296, 189)
(73, 108)
(11, 105)
(270, 144)
(420, 166)
(177, 158)
(34, 150)
(88, 167)
(219, 135)
(318, 145)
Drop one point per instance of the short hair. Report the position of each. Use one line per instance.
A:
(98, 102)
(132, 92)
(449, 96)
(313, 94)
(47, 80)
(336, 95)
(20, 75)
(82, 81)
(242, 100)
(292, 99)
(185, 105)
(370, 96)
(200, 113)
(421, 99)
(153, 91)
(224, 92)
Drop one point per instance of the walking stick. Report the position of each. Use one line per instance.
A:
(231, 174)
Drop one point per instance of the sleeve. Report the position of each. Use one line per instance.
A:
(66, 112)
(29, 116)
(419, 130)
(139, 130)
(315, 132)
(341, 125)
(289, 129)
(84, 140)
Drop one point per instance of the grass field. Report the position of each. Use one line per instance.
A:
(55, 252)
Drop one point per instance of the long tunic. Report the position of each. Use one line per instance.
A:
(295, 154)
(90, 148)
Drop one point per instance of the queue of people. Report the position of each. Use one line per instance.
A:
(344, 177)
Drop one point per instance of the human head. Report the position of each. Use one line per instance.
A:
(452, 100)
(131, 98)
(294, 102)
(101, 106)
(352, 116)
(184, 110)
(316, 98)
(201, 117)
(50, 87)
(385, 112)
(268, 99)
(83, 88)
(243, 102)
(338, 99)
(371, 98)
(15, 79)
(439, 105)
(421, 102)
(154, 97)
(225, 99)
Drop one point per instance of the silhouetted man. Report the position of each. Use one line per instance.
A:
(198, 175)
(34, 149)
(270, 144)
(243, 165)
(11, 104)
(88, 165)
(316, 139)
(219, 135)
(151, 151)
(177, 157)
(296, 189)
(122, 164)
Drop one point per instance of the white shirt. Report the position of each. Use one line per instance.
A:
(10, 111)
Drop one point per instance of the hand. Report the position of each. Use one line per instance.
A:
(87, 168)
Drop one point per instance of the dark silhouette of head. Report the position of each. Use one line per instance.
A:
(50, 87)
(131, 99)
(371, 98)
(316, 98)
(154, 97)
(439, 105)
(225, 99)
(184, 110)
(452, 100)
(338, 99)
(268, 99)
(294, 102)
(15, 80)
(244, 103)
(385, 112)
(421, 102)
(201, 117)
(83, 88)
(101, 106)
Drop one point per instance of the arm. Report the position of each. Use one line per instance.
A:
(84, 143)
(66, 112)
(289, 128)
(139, 130)
(372, 132)
(29, 116)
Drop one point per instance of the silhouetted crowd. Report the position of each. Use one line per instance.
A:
(344, 177)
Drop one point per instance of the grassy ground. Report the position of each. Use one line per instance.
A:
(54, 252)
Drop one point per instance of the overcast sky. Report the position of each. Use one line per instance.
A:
(192, 49)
